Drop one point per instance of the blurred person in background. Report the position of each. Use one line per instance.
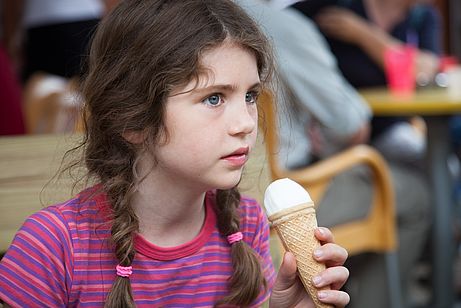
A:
(49, 36)
(320, 114)
(359, 32)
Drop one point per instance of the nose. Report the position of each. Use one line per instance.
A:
(243, 118)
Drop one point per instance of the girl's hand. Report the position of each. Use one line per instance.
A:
(288, 289)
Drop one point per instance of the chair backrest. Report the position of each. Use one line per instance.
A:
(269, 127)
(51, 105)
(377, 231)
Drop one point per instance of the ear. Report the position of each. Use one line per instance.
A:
(134, 137)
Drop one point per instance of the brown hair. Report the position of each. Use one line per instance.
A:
(140, 52)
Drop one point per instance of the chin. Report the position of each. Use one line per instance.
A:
(229, 182)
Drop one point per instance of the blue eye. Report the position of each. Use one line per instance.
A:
(251, 97)
(213, 100)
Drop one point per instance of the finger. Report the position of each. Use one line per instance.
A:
(286, 276)
(330, 254)
(337, 298)
(335, 277)
(324, 235)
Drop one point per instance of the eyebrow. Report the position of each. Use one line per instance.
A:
(216, 88)
(224, 87)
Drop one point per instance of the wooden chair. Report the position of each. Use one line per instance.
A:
(374, 233)
(51, 105)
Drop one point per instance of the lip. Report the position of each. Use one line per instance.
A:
(237, 158)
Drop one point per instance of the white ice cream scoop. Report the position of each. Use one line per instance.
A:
(283, 194)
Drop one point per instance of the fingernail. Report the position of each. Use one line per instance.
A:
(321, 230)
(321, 295)
(318, 253)
(317, 280)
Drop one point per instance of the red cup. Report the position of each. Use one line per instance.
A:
(399, 66)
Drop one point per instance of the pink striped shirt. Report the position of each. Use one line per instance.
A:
(62, 257)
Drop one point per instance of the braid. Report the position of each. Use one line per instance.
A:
(125, 224)
(247, 277)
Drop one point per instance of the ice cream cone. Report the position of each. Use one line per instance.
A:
(295, 227)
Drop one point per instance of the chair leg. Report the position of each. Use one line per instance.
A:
(393, 278)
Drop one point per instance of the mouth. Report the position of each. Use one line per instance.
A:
(237, 158)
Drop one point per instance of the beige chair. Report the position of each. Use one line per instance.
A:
(374, 233)
(51, 105)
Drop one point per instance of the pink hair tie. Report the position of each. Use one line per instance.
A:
(234, 237)
(124, 271)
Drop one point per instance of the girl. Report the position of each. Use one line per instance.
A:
(171, 118)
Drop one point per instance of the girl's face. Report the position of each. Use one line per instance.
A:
(212, 124)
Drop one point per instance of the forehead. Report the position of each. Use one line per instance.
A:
(226, 61)
(227, 64)
(212, 55)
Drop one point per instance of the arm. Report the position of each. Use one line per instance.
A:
(346, 26)
(288, 290)
(109, 5)
(361, 136)
(324, 144)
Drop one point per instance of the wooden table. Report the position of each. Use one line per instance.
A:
(436, 107)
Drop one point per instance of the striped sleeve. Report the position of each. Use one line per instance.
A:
(36, 270)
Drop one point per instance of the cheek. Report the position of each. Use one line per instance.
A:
(191, 137)
(255, 116)
(254, 137)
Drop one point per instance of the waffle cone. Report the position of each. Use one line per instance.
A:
(295, 227)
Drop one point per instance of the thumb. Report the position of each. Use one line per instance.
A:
(286, 277)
